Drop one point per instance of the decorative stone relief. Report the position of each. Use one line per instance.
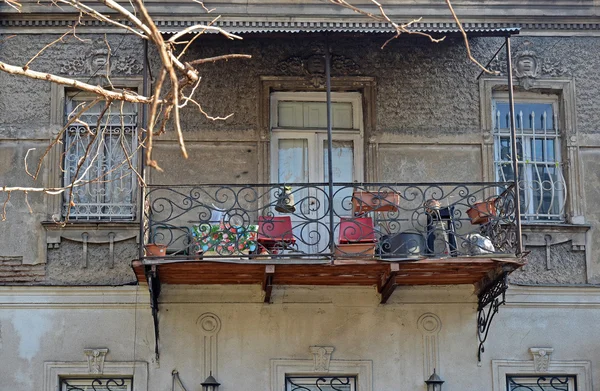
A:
(210, 325)
(321, 357)
(95, 359)
(541, 358)
(527, 66)
(313, 66)
(430, 325)
(97, 60)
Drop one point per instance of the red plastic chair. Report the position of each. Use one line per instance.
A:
(356, 230)
(275, 231)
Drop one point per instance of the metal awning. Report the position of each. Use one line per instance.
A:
(245, 26)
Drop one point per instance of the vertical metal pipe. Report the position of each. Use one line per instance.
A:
(142, 196)
(513, 141)
(329, 142)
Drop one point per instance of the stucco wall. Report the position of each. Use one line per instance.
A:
(48, 326)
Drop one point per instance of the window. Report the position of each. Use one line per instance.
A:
(542, 184)
(541, 383)
(106, 184)
(320, 383)
(96, 384)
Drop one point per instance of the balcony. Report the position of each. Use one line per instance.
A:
(314, 234)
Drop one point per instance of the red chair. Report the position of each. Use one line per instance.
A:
(356, 230)
(275, 232)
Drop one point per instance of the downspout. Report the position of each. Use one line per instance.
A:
(513, 140)
(329, 142)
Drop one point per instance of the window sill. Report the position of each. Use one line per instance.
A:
(97, 232)
(549, 234)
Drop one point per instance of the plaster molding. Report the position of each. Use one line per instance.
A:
(503, 368)
(552, 234)
(54, 370)
(429, 325)
(210, 325)
(541, 358)
(322, 357)
(362, 369)
(95, 359)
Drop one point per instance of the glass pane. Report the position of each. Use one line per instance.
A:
(313, 115)
(293, 161)
(343, 171)
(538, 116)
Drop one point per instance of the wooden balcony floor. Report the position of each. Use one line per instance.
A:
(341, 272)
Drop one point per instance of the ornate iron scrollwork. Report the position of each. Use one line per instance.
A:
(541, 383)
(490, 300)
(96, 384)
(320, 383)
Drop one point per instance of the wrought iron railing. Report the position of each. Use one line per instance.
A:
(368, 220)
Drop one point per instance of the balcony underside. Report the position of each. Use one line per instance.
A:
(340, 272)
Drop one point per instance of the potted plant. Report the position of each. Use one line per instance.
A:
(155, 250)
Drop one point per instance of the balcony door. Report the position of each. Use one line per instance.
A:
(299, 154)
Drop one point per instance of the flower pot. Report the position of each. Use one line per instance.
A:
(377, 201)
(481, 212)
(155, 250)
(361, 250)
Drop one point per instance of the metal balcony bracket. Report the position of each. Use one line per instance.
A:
(154, 287)
(267, 283)
(491, 297)
(388, 282)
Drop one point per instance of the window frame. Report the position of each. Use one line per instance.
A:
(571, 381)
(70, 383)
(69, 94)
(54, 371)
(311, 380)
(530, 215)
(564, 89)
(581, 370)
(54, 175)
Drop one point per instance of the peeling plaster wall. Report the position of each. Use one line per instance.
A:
(427, 99)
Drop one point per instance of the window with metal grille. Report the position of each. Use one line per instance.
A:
(541, 181)
(541, 383)
(105, 185)
(320, 383)
(96, 384)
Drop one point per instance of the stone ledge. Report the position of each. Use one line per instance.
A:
(541, 235)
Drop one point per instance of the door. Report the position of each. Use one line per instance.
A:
(299, 154)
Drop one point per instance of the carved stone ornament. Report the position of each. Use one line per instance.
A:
(313, 66)
(322, 357)
(95, 359)
(96, 60)
(541, 358)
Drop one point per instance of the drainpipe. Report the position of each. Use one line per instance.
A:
(513, 137)
(142, 197)
(329, 141)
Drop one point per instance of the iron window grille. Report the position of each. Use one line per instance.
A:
(541, 182)
(541, 383)
(96, 384)
(320, 383)
(108, 187)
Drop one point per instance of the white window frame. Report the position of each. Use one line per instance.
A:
(316, 136)
(501, 369)
(54, 371)
(308, 381)
(361, 369)
(530, 215)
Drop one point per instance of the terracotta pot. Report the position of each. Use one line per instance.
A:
(355, 250)
(481, 212)
(367, 201)
(155, 250)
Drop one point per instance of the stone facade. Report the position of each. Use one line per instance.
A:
(85, 316)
